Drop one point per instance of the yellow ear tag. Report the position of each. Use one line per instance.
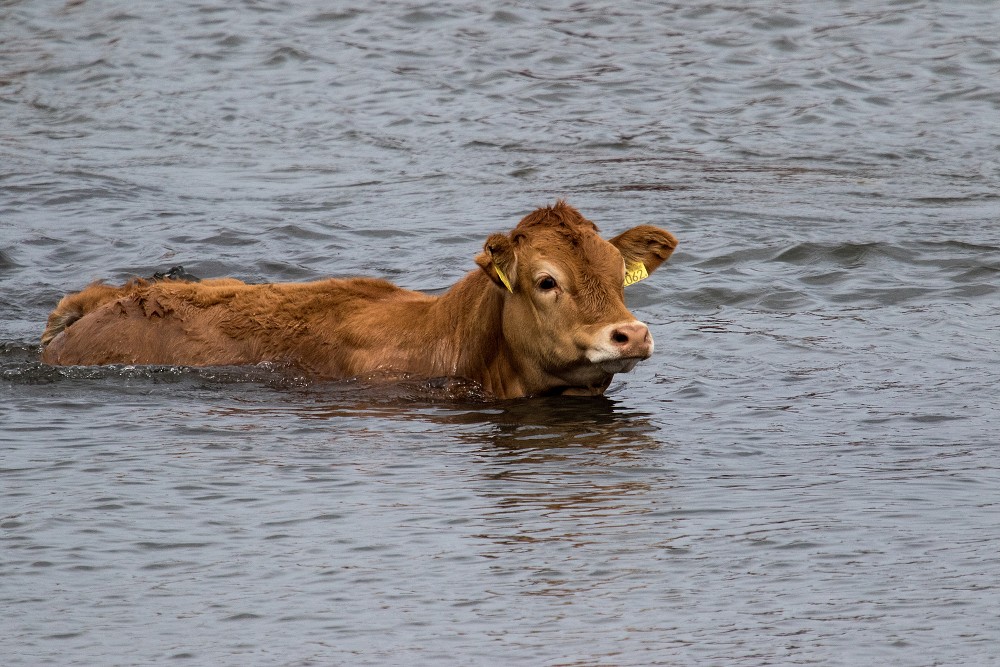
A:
(503, 278)
(634, 272)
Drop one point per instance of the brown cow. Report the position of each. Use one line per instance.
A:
(543, 314)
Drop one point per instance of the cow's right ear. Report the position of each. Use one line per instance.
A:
(499, 262)
(644, 248)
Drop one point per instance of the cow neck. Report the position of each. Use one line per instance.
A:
(472, 312)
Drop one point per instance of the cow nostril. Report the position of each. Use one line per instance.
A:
(631, 338)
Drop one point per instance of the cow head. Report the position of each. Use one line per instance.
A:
(564, 311)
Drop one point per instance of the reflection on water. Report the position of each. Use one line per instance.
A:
(563, 459)
(554, 454)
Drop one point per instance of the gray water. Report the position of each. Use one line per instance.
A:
(805, 472)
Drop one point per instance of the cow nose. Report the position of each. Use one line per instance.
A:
(632, 339)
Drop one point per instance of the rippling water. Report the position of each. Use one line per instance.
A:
(805, 472)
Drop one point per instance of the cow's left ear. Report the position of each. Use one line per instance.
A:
(644, 245)
(499, 262)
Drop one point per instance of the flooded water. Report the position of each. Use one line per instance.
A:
(806, 471)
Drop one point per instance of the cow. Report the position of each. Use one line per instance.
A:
(543, 314)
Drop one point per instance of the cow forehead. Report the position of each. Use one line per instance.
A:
(590, 261)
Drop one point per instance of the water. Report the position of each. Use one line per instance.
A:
(805, 472)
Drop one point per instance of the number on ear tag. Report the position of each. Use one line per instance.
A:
(634, 272)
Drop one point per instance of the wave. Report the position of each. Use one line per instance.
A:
(810, 274)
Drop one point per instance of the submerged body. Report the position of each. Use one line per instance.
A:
(544, 313)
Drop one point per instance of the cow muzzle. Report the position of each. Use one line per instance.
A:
(617, 348)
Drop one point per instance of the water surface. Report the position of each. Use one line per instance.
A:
(805, 472)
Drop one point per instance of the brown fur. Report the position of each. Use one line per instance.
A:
(514, 344)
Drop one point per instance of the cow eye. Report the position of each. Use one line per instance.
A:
(547, 283)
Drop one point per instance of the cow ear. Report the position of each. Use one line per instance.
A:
(499, 262)
(644, 248)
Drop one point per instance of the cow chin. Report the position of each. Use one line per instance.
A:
(611, 361)
(586, 391)
(623, 365)
(589, 379)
